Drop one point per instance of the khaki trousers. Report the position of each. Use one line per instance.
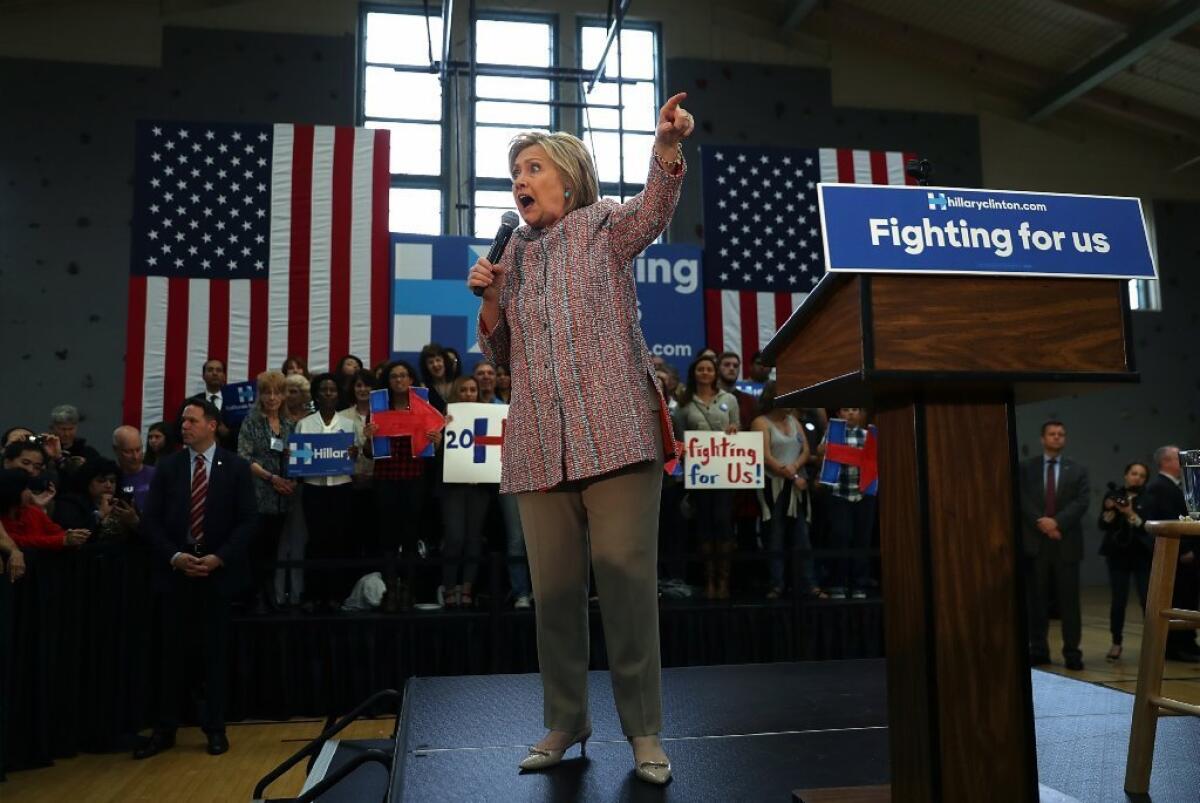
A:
(616, 515)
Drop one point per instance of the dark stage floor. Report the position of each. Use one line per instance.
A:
(750, 732)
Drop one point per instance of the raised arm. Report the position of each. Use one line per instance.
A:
(636, 223)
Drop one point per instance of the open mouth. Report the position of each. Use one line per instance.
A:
(525, 201)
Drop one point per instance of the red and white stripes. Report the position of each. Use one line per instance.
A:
(323, 293)
(744, 321)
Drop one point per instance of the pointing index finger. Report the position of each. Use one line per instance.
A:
(673, 102)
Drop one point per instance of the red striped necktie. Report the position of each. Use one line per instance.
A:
(1051, 488)
(199, 494)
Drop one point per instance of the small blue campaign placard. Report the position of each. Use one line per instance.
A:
(236, 401)
(955, 230)
(320, 455)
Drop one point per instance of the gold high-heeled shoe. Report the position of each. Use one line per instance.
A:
(539, 759)
(655, 772)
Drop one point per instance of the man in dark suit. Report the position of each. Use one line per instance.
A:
(199, 519)
(1163, 501)
(214, 392)
(1054, 499)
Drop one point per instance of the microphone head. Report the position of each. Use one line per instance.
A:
(510, 220)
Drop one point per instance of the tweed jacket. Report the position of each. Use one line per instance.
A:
(584, 391)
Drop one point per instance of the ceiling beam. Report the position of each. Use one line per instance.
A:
(1177, 17)
(1124, 17)
(798, 13)
(1001, 72)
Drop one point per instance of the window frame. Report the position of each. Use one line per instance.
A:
(438, 181)
(477, 183)
(582, 21)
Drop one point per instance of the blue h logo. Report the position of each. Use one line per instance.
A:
(302, 455)
(937, 200)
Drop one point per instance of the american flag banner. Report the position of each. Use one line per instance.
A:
(252, 243)
(762, 233)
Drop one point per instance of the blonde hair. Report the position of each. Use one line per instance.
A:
(269, 380)
(297, 380)
(570, 156)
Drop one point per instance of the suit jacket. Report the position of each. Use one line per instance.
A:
(1163, 501)
(229, 518)
(1071, 503)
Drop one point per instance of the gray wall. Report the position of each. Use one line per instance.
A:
(66, 164)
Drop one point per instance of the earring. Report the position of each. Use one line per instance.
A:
(566, 193)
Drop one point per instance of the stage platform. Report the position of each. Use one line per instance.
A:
(750, 732)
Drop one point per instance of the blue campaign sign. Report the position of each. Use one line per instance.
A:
(431, 303)
(955, 230)
(320, 455)
(236, 401)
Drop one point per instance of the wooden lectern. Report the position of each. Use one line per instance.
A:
(941, 361)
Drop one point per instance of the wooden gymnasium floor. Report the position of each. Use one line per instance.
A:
(188, 774)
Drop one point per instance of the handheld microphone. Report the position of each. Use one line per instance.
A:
(507, 223)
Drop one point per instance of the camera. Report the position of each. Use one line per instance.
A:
(1116, 494)
(36, 440)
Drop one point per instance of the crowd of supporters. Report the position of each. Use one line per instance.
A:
(392, 534)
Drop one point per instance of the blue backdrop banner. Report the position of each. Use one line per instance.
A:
(955, 230)
(431, 303)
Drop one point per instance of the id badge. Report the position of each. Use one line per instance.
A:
(277, 444)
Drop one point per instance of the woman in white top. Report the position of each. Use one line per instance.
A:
(784, 497)
(327, 500)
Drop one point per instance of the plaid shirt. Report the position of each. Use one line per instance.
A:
(401, 465)
(847, 482)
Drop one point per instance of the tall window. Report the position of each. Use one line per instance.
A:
(505, 105)
(621, 140)
(409, 104)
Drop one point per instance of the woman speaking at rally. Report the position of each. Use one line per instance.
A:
(585, 455)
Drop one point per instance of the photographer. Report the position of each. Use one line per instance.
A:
(29, 457)
(25, 523)
(1126, 548)
(48, 443)
(64, 423)
(92, 504)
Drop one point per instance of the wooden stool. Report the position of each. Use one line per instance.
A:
(1160, 618)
